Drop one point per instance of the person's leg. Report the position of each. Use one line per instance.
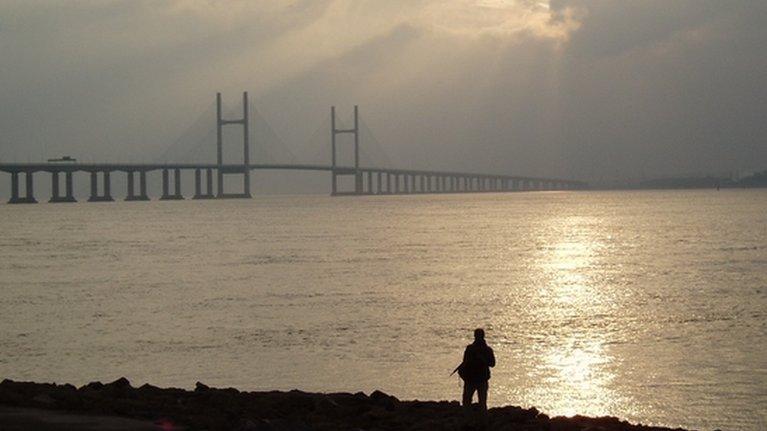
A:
(468, 394)
(482, 395)
(482, 401)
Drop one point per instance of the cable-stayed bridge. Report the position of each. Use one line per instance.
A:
(209, 176)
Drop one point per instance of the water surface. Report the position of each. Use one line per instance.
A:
(650, 306)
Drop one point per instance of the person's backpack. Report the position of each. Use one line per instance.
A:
(462, 371)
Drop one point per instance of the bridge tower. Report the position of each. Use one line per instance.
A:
(243, 169)
(336, 170)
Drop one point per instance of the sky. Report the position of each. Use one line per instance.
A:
(586, 89)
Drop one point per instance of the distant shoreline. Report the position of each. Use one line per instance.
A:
(230, 409)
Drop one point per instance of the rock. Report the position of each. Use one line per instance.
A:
(92, 386)
(325, 404)
(122, 382)
(384, 400)
(212, 409)
(44, 399)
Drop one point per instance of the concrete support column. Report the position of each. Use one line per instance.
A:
(164, 184)
(69, 187)
(14, 187)
(245, 183)
(197, 184)
(131, 192)
(407, 183)
(220, 182)
(54, 186)
(30, 187)
(94, 187)
(177, 183)
(107, 187)
(358, 183)
(379, 183)
(209, 179)
(142, 185)
(370, 182)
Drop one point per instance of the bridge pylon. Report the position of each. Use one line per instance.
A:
(336, 171)
(244, 169)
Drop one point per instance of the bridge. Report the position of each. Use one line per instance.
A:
(366, 180)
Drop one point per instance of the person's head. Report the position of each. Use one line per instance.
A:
(479, 334)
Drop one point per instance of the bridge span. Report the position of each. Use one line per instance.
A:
(366, 180)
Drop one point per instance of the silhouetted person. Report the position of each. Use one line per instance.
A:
(475, 370)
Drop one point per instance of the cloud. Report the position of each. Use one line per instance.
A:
(585, 88)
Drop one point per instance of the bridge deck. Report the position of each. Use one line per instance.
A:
(235, 168)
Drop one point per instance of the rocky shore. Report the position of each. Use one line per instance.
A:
(207, 408)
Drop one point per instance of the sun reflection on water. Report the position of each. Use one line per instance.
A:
(574, 357)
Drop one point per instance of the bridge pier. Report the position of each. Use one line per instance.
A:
(55, 192)
(29, 197)
(166, 196)
(208, 184)
(132, 196)
(107, 193)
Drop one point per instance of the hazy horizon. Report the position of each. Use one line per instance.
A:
(590, 90)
